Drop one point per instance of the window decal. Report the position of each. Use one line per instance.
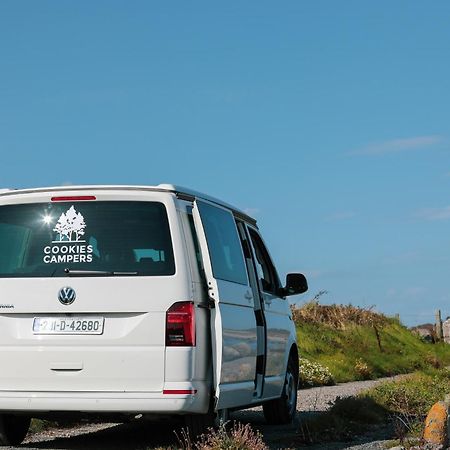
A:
(68, 244)
(70, 226)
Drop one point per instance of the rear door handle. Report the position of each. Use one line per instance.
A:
(248, 296)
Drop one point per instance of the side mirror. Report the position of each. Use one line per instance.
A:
(295, 284)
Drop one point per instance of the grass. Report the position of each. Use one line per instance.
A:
(39, 425)
(409, 400)
(357, 344)
(404, 403)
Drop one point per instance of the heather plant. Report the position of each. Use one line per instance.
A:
(237, 437)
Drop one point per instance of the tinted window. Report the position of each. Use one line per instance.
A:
(266, 270)
(223, 243)
(44, 239)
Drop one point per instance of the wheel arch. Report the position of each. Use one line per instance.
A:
(293, 356)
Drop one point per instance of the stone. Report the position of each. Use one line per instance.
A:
(436, 425)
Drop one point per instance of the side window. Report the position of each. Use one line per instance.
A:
(224, 244)
(264, 266)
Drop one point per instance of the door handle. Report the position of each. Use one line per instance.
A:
(248, 296)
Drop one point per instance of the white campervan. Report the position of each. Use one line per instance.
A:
(126, 300)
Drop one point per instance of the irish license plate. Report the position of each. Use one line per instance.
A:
(68, 325)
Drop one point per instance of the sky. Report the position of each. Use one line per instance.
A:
(327, 121)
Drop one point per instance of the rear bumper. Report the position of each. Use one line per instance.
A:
(106, 402)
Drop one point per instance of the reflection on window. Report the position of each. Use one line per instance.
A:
(43, 239)
(265, 269)
(223, 243)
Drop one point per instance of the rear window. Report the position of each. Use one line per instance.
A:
(86, 238)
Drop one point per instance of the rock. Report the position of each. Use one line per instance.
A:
(436, 425)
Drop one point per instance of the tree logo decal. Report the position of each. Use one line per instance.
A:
(70, 226)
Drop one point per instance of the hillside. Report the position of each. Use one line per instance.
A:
(357, 343)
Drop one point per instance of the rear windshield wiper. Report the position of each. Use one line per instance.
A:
(97, 273)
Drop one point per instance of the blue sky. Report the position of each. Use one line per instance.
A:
(328, 121)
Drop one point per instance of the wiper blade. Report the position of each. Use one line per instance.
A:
(97, 273)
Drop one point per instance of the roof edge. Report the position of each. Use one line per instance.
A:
(165, 187)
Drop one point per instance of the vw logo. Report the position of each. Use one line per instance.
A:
(67, 295)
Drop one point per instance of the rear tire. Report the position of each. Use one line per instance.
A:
(283, 410)
(13, 429)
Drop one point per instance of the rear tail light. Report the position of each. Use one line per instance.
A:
(180, 325)
(180, 391)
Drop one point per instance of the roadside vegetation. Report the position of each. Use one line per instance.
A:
(352, 343)
(235, 436)
(401, 404)
(343, 343)
(408, 400)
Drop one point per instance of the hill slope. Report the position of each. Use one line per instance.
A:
(360, 344)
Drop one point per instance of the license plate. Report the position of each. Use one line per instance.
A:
(68, 325)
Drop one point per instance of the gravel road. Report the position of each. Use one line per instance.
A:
(142, 435)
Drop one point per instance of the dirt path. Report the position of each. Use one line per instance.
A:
(143, 435)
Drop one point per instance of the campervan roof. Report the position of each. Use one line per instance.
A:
(180, 191)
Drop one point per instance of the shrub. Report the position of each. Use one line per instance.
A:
(410, 398)
(337, 316)
(314, 374)
(405, 402)
(238, 437)
(362, 369)
(413, 395)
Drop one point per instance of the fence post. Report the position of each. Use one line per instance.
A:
(439, 333)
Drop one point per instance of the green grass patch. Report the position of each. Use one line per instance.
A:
(410, 398)
(366, 348)
(413, 394)
(403, 403)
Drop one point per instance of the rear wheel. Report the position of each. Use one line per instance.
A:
(13, 429)
(283, 410)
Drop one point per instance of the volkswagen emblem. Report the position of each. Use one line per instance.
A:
(67, 295)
